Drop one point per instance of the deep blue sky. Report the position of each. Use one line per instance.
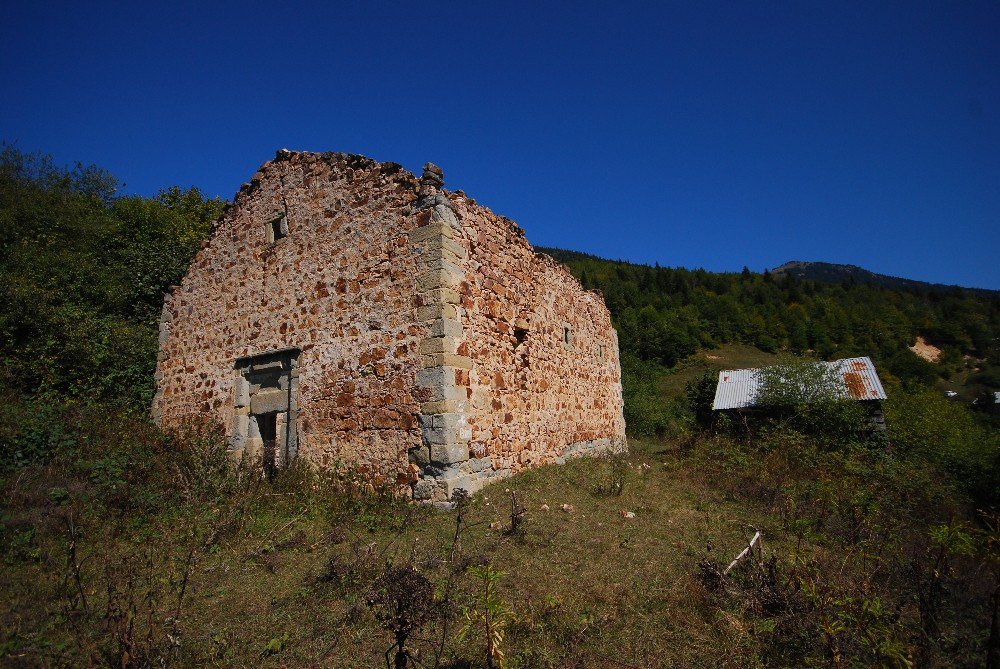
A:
(710, 135)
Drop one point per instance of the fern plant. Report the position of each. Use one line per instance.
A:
(489, 615)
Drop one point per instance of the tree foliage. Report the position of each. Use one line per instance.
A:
(665, 314)
(925, 426)
(82, 275)
(797, 382)
(809, 396)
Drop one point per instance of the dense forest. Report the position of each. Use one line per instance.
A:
(125, 546)
(665, 314)
(825, 272)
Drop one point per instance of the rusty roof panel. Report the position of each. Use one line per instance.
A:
(860, 378)
(738, 388)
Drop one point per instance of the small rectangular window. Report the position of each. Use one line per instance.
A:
(566, 335)
(277, 229)
(600, 351)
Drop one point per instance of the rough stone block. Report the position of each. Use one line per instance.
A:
(454, 247)
(481, 398)
(433, 230)
(435, 471)
(443, 248)
(441, 265)
(446, 360)
(448, 421)
(241, 425)
(435, 377)
(446, 327)
(438, 278)
(481, 464)
(449, 454)
(242, 392)
(420, 456)
(440, 435)
(470, 484)
(267, 402)
(423, 489)
(443, 295)
(253, 431)
(447, 392)
(439, 345)
(444, 214)
(446, 406)
(428, 312)
(253, 446)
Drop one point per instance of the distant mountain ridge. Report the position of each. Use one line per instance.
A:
(836, 273)
(824, 272)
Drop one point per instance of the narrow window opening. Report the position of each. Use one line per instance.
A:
(277, 229)
(520, 350)
(566, 335)
(600, 351)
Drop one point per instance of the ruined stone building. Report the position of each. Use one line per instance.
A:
(346, 312)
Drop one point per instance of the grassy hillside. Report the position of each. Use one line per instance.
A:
(124, 546)
(605, 563)
(709, 361)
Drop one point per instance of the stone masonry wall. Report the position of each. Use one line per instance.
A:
(527, 361)
(546, 380)
(401, 330)
(340, 287)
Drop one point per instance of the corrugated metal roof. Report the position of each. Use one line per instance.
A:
(860, 378)
(738, 388)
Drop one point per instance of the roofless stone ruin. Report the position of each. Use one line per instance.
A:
(346, 312)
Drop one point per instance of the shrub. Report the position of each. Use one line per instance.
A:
(403, 601)
(925, 426)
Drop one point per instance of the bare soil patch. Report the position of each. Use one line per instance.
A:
(926, 350)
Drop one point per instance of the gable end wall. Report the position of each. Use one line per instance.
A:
(429, 336)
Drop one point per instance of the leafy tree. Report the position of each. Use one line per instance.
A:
(82, 276)
(908, 366)
(700, 395)
(810, 397)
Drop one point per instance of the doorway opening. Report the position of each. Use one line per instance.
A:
(267, 424)
(266, 409)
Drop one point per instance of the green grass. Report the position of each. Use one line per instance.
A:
(282, 572)
(729, 356)
(586, 583)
